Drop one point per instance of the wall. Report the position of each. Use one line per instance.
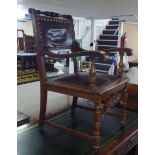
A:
(26, 26)
(132, 38)
(86, 35)
(28, 99)
(100, 26)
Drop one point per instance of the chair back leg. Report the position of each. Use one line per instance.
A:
(43, 104)
(74, 103)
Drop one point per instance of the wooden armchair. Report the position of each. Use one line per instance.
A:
(54, 37)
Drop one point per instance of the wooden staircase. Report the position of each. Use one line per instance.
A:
(109, 37)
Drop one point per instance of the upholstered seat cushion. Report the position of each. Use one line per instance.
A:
(80, 82)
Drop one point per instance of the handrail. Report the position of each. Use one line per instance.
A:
(116, 30)
(85, 32)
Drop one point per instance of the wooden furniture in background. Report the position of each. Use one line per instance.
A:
(133, 64)
(25, 42)
(54, 37)
(26, 60)
(132, 102)
(26, 55)
(21, 42)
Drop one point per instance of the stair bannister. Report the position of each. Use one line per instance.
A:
(85, 32)
(116, 30)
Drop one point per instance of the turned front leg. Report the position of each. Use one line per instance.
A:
(96, 130)
(123, 105)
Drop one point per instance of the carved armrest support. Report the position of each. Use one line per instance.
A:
(128, 51)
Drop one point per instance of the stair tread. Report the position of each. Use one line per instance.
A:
(102, 64)
(110, 30)
(108, 35)
(102, 70)
(107, 45)
(106, 40)
(113, 25)
(115, 20)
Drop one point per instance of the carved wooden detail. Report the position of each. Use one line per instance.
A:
(121, 66)
(123, 102)
(97, 115)
(92, 74)
(76, 47)
(113, 99)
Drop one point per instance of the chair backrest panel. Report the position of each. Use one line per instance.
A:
(55, 32)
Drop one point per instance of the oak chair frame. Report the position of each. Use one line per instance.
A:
(109, 96)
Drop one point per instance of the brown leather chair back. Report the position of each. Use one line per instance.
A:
(54, 33)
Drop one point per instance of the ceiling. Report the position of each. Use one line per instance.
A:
(98, 9)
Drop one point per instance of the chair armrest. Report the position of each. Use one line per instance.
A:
(77, 54)
(121, 51)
